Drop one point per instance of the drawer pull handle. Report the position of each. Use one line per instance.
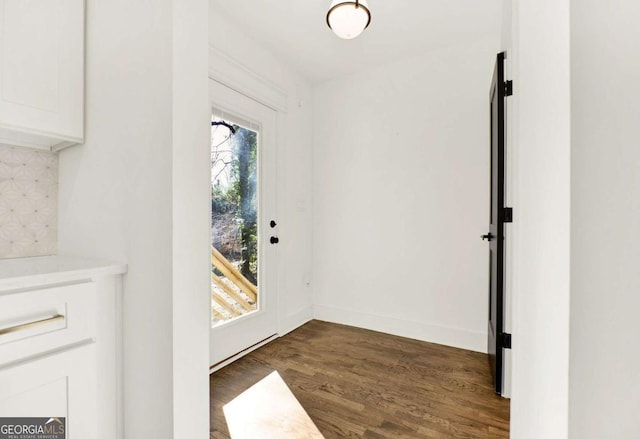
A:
(30, 325)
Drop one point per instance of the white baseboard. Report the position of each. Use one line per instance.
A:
(449, 336)
(295, 320)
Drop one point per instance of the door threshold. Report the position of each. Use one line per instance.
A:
(219, 365)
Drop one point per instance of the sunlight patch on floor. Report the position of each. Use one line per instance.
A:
(269, 410)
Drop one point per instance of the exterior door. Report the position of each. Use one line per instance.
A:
(243, 223)
(495, 237)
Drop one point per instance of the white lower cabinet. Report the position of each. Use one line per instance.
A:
(60, 329)
(60, 385)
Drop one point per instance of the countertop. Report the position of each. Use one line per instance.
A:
(23, 272)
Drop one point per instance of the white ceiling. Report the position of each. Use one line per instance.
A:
(296, 31)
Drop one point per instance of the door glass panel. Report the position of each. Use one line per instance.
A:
(234, 218)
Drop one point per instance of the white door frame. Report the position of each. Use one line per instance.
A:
(227, 70)
(236, 335)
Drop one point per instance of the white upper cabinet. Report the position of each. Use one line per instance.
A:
(42, 73)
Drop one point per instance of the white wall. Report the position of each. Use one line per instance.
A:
(541, 137)
(294, 163)
(191, 219)
(605, 220)
(117, 194)
(401, 196)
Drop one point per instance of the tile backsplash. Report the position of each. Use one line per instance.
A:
(28, 202)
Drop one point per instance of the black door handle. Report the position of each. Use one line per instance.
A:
(273, 224)
(488, 237)
(274, 240)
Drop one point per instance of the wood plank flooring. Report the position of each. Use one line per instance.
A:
(355, 383)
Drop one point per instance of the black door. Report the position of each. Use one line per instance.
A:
(496, 229)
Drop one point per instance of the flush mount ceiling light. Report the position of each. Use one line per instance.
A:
(347, 19)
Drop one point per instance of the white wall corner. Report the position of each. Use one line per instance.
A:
(190, 179)
(293, 321)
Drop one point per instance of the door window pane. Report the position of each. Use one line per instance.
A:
(234, 219)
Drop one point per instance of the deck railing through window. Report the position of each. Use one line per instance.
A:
(232, 294)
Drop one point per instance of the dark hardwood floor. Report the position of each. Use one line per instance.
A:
(356, 383)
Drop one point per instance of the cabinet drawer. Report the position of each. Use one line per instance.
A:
(45, 319)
